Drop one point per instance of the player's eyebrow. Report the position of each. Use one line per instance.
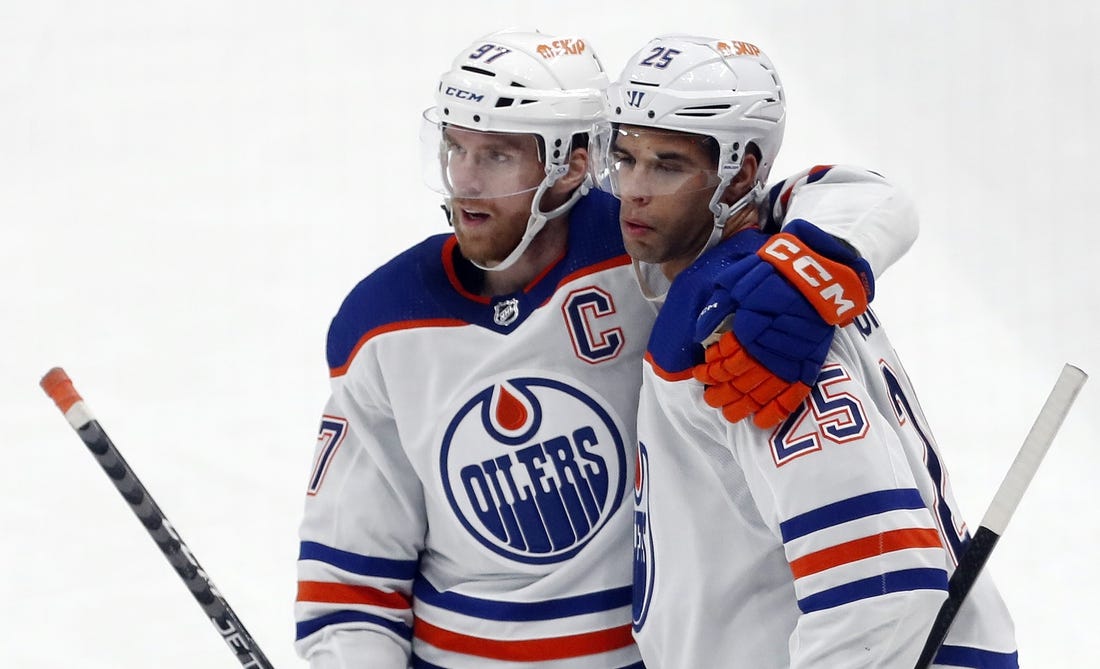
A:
(673, 155)
(492, 140)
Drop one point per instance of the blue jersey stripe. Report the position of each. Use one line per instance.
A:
(976, 658)
(849, 509)
(307, 627)
(356, 563)
(549, 609)
(894, 581)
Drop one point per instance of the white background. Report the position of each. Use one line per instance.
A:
(188, 189)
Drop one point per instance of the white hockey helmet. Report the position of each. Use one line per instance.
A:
(532, 83)
(720, 88)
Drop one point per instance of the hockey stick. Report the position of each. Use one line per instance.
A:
(1004, 505)
(60, 389)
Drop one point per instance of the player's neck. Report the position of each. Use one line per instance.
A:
(545, 249)
(748, 217)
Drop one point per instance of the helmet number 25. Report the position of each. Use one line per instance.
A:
(660, 57)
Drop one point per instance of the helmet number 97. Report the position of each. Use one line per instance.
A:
(660, 58)
(487, 48)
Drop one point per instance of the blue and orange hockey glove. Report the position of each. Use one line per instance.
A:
(770, 321)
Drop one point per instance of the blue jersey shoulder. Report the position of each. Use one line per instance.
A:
(416, 285)
(671, 343)
(393, 293)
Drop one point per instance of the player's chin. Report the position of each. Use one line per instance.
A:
(478, 248)
(643, 250)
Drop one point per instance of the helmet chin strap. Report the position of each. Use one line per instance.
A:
(652, 281)
(724, 212)
(538, 217)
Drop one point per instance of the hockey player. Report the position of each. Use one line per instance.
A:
(828, 540)
(469, 502)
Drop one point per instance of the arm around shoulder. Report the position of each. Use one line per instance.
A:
(857, 205)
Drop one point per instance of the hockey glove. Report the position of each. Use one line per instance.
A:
(769, 322)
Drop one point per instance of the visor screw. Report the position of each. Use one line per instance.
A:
(446, 111)
(650, 114)
(618, 110)
(477, 118)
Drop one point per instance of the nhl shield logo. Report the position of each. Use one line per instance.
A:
(506, 312)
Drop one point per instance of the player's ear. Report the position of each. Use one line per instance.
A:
(578, 169)
(744, 180)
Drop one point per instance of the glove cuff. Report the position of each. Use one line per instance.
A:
(835, 290)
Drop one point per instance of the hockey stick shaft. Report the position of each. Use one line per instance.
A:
(1004, 504)
(60, 388)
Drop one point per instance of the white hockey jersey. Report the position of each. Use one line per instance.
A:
(825, 542)
(469, 504)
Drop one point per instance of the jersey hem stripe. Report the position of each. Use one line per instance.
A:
(525, 650)
(550, 609)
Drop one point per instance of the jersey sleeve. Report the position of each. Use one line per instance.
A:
(362, 531)
(834, 486)
(854, 204)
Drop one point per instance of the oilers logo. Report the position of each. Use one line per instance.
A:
(643, 541)
(533, 467)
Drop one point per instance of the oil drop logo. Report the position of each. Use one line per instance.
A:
(533, 467)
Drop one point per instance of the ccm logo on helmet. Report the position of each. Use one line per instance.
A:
(810, 271)
(463, 95)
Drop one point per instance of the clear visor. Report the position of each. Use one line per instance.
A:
(475, 164)
(635, 161)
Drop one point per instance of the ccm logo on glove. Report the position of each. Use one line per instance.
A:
(837, 292)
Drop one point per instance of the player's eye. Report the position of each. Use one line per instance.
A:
(450, 146)
(620, 158)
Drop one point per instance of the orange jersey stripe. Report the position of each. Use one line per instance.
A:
(610, 263)
(343, 593)
(865, 547)
(617, 261)
(667, 376)
(526, 650)
(452, 275)
(393, 327)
